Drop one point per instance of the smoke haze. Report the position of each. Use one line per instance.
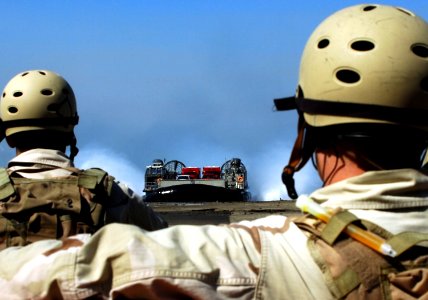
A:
(115, 164)
(264, 171)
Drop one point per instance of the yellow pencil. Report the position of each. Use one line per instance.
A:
(363, 236)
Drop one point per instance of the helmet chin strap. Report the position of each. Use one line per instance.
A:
(298, 159)
(73, 148)
(2, 131)
(303, 150)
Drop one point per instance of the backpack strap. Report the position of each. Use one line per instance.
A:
(96, 180)
(90, 178)
(405, 240)
(351, 268)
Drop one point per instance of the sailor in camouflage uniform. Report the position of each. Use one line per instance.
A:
(362, 100)
(42, 194)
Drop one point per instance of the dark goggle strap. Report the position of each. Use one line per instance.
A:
(409, 116)
(58, 121)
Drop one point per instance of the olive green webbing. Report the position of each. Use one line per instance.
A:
(399, 242)
(339, 286)
(336, 225)
(90, 178)
(6, 187)
(355, 274)
(403, 241)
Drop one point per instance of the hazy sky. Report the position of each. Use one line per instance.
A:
(178, 80)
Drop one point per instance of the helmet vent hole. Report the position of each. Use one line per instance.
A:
(24, 74)
(348, 76)
(323, 43)
(369, 7)
(17, 94)
(52, 107)
(424, 84)
(420, 50)
(362, 45)
(46, 92)
(12, 110)
(42, 73)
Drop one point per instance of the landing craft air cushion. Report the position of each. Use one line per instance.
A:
(174, 182)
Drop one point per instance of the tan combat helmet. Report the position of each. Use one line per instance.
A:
(38, 100)
(364, 64)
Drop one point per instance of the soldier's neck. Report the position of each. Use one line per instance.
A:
(333, 167)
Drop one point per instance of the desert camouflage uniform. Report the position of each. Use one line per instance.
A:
(263, 259)
(125, 206)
